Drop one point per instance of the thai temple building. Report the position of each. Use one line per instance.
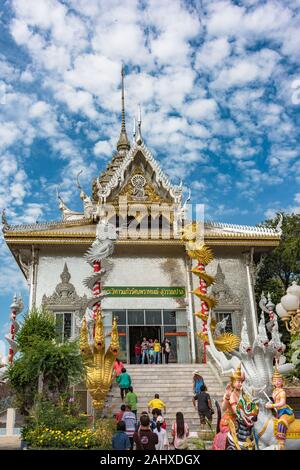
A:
(148, 278)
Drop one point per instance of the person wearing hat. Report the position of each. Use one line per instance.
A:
(198, 381)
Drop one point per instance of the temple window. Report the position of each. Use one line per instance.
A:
(63, 326)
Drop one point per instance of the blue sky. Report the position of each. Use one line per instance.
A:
(219, 86)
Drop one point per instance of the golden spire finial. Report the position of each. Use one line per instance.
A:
(123, 142)
(84, 341)
(99, 331)
(114, 343)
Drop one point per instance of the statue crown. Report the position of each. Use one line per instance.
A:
(276, 374)
(237, 375)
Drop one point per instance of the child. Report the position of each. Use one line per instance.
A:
(156, 415)
(120, 413)
(163, 443)
(120, 440)
(151, 351)
(156, 403)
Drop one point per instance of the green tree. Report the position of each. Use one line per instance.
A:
(44, 367)
(282, 265)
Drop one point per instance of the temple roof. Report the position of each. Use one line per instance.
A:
(111, 181)
(83, 232)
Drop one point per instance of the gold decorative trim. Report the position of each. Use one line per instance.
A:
(51, 234)
(91, 234)
(86, 240)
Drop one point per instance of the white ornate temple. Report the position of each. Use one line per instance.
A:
(148, 279)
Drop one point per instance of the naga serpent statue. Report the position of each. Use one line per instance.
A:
(98, 363)
(256, 359)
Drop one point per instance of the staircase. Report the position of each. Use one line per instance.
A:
(174, 384)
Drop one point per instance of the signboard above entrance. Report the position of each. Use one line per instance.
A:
(142, 291)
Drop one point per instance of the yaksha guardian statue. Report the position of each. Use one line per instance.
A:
(284, 413)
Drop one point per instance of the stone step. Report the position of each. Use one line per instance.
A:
(202, 369)
(171, 378)
(163, 391)
(173, 382)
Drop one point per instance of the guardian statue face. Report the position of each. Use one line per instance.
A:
(278, 383)
(237, 384)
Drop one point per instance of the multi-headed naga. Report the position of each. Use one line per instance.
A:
(98, 362)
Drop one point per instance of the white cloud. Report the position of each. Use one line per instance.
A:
(8, 134)
(201, 109)
(32, 212)
(103, 148)
(225, 18)
(200, 71)
(212, 54)
(39, 109)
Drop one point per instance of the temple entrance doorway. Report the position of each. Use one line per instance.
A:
(137, 333)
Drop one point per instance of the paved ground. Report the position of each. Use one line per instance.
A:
(10, 443)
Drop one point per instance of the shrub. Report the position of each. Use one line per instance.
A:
(195, 443)
(105, 428)
(61, 416)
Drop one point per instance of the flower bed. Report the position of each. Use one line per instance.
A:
(42, 437)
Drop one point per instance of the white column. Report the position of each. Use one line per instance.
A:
(190, 309)
(31, 285)
(251, 295)
(10, 421)
(33, 277)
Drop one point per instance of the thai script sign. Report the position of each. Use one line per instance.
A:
(142, 291)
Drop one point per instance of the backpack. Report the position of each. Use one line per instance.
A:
(198, 386)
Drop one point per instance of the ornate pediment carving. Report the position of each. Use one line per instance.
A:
(65, 293)
(139, 189)
(221, 290)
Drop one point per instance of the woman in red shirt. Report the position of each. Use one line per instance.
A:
(118, 366)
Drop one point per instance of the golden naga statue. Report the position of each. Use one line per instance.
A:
(98, 363)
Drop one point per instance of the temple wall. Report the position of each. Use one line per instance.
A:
(152, 266)
(126, 267)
